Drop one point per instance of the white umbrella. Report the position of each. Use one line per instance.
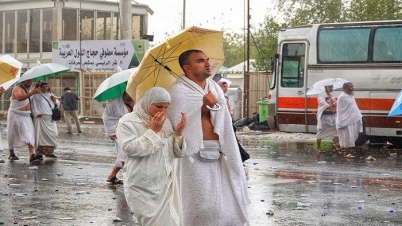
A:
(113, 86)
(43, 71)
(15, 63)
(319, 86)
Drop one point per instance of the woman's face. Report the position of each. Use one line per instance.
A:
(158, 107)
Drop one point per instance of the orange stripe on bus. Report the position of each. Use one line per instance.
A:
(363, 103)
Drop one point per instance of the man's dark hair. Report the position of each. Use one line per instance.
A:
(346, 85)
(184, 57)
(224, 83)
(42, 84)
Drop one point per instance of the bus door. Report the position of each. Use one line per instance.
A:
(291, 114)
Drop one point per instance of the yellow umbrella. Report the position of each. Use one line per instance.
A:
(160, 66)
(9, 68)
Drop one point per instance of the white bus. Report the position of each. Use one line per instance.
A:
(369, 54)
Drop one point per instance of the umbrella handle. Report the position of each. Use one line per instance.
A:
(217, 107)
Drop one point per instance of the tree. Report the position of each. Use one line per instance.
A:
(372, 10)
(265, 42)
(300, 12)
(233, 47)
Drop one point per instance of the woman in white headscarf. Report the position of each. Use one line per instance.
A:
(150, 145)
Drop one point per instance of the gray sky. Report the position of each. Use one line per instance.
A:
(227, 15)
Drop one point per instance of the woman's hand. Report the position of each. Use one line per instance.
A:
(156, 122)
(181, 125)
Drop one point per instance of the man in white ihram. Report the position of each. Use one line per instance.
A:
(212, 179)
(326, 115)
(348, 120)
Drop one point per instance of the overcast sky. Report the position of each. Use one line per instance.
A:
(228, 15)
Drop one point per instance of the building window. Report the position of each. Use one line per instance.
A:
(69, 24)
(87, 25)
(34, 40)
(136, 27)
(9, 31)
(47, 36)
(103, 26)
(22, 31)
(116, 26)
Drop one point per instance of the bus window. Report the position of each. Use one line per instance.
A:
(387, 44)
(293, 57)
(343, 45)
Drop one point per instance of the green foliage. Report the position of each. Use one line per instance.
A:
(233, 45)
(372, 10)
(325, 145)
(272, 144)
(265, 41)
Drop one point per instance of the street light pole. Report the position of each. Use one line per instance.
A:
(247, 71)
(184, 14)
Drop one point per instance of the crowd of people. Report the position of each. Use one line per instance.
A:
(29, 119)
(179, 154)
(339, 120)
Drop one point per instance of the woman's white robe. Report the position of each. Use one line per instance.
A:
(149, 173)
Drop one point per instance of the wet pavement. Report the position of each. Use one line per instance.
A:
(288, 184)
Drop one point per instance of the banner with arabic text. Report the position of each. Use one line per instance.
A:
(99, 55)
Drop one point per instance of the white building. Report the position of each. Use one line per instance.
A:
(29, 28)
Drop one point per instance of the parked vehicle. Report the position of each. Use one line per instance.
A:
(369, 54)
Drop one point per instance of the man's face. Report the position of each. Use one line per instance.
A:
(44, 88)
(225, 88)
(329, 89)
(349, 89)
(27, 83)
(128, 100)
(199, 66)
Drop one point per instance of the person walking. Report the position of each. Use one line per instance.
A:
(20, 128)
(225, 87)
(212, 178)
(326, 115)
(45, 128)
(69, 101)
(114, 110)
(348, 119)
(150, 146)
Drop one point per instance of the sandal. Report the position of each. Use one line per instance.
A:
(51, 156)
(349, 156)
(114, 180)
(320, 151)
(13, 157)
(35, 158)
(336, 149)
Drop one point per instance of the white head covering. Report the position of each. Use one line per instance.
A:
(151, 96)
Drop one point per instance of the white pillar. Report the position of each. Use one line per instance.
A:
(125, 15)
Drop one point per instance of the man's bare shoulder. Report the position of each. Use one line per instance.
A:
(18, 89)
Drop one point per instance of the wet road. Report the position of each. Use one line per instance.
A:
(285, 178)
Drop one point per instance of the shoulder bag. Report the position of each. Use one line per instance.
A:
(56, 114)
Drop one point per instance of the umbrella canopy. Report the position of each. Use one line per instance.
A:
(396, 108)
(319, 86)
(43, 71)
(113, 86)
(160, 66)
(13, 68)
